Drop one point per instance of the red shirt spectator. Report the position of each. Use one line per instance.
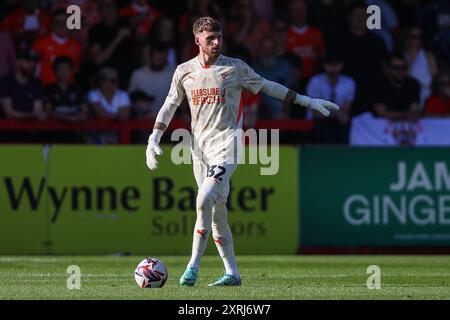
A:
(248, 28)
(142, 15)
(54, 45)
(307, 43)
(49, 47)
(304, 41)
(89, 17)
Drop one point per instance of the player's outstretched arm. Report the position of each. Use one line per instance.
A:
(280, 92)
(162, 121)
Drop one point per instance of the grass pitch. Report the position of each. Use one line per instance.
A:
(264, 277)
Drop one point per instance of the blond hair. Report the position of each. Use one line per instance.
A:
(206, 24)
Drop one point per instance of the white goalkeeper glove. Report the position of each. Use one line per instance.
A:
(153, 149)
(323, 106)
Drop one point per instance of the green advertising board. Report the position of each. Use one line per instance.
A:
(23, 214)
(103, 200)
(374, 197)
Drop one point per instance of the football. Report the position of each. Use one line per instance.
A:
(151, 273)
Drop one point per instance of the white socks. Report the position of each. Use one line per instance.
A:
(212, 215)
(202, 228)
(223, 238)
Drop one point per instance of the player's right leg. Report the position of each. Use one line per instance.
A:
(204, 204)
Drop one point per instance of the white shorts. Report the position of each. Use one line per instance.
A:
(213, 178)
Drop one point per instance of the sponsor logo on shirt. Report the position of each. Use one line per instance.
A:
(207, 96)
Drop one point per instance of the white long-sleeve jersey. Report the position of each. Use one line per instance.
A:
(214, 95)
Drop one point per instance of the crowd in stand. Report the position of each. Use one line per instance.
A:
(120, 63)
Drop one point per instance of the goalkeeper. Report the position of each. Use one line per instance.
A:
(212, 84)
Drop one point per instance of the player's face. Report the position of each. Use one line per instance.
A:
(210, 42)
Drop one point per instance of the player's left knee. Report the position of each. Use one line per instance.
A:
(205, 201)
(221, 200)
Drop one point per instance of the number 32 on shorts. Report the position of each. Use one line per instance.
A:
(216, 172)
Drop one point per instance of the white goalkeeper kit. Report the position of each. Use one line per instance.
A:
(214, 94)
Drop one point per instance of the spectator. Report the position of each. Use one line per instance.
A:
(26, 23)
(109, 102)
(57, 43)
(89, 17)
(440, 38)
(434, 20)
(438, 105)
(340, 89)
(141, 108)
(164, 32)
(441, 42)
(264, 8)
(154, 79)
(20, 92)
(141, 16)
(304, 41)
(399, 94)
(196, 9)
(329, 17)
(250, 103)
(63, 99)
(141, 105)
(7, 54)
(279, 35)
(110, 42)
(273, 68)
(247, 28)
(389, 23)
(363, 54)
(422, 63)
(408, 11)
